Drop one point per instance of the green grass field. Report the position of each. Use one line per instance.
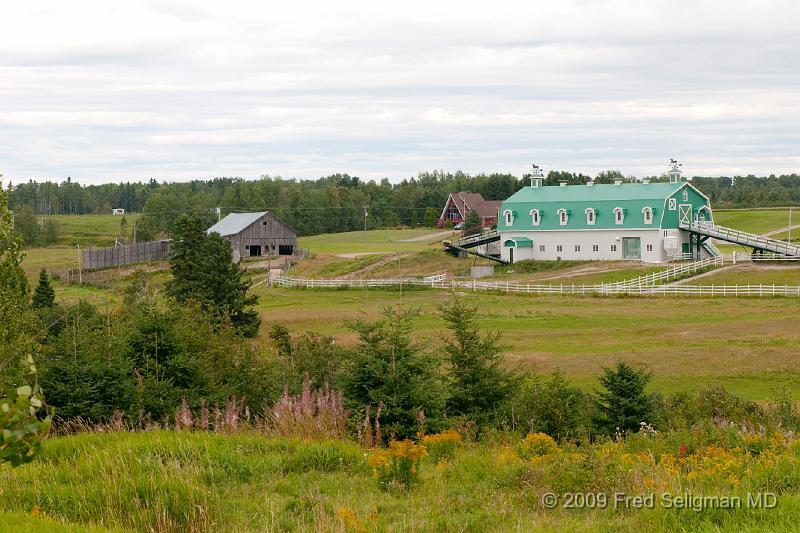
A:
(376, 241)
(746, 344)
(753, 274)
(91, 230)
(755, 220)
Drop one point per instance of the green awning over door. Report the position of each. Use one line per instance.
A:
(518, 242)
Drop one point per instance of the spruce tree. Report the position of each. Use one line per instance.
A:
(44, 297)
(472, 223)
(623, 404)
(387, 367)
(479, 383)
(203, 272)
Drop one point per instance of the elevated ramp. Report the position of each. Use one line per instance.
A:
(757, 242)
(466, 245)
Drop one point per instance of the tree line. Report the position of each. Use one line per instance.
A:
(337, 203)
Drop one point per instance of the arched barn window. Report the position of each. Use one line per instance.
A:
(535, 217)
(509, 216)
(562, 217)
(648, 215)
(590, 216)
(619, 215)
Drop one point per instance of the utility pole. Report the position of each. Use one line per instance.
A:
(80, 265)
(790, 224)
(365, 223)
(134, 230)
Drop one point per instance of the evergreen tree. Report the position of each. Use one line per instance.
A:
(472, 223)
(479, 382)
(387, 367)
(204, 272)
(430, 217)
(623, 404)
(123, 228)
(227, 289)
(187, 261)
(44, 296)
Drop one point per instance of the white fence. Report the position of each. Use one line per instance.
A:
(534, 288)
(670, 274)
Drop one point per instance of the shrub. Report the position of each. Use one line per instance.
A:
(442, 445)
(552, 406)
(537, 445)
(396, 466)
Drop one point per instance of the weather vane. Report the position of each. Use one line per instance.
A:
(674, 165)
(536, 171)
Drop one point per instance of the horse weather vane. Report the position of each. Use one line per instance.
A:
(674, 165)
(536, 171)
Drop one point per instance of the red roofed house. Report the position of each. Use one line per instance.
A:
(460, 203)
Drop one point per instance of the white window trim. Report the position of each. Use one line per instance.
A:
(645, 211)
(593, 213)
(673, 204)
(508, 215)
(563, 217)
(536, 217)
(619, 215)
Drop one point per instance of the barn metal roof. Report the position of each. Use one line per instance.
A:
(235, 222)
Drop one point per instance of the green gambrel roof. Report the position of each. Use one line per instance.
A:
(596, 193)
(632, 198)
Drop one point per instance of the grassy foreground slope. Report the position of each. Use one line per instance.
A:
(161, 481)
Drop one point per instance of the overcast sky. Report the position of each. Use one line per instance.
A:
(104, 91)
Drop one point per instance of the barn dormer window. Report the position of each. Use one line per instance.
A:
(509, 216)
(535, 218)
(619, 215)
(562, 217)
(590, 216)
(685, 195)
(648, 215)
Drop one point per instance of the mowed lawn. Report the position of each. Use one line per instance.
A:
(753, 274)
(374, 241)
(750, 345)
(755, 220)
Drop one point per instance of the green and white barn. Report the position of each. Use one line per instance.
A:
(632, 221)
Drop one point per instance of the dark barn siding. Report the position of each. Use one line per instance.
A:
(272, 234)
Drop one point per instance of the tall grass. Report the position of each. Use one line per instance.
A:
(202, 481)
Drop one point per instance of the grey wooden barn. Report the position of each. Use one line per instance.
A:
(256, 234)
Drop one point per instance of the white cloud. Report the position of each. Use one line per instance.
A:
(176, 89)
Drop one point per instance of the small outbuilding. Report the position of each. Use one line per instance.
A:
(118, 211)
(256, 234)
